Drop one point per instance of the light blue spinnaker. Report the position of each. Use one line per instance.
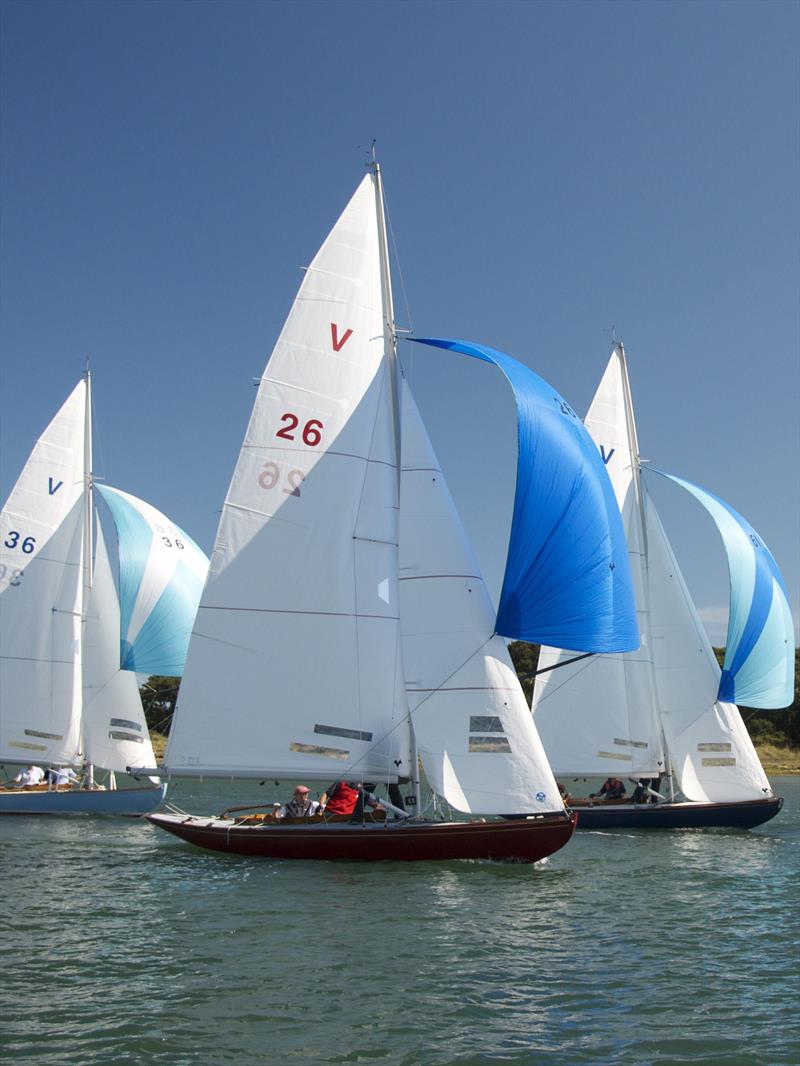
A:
(759, 649)
(567, 581)
(161, 576)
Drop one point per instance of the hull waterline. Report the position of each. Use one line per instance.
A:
(525, 840)
(130, 802)
(743, 815)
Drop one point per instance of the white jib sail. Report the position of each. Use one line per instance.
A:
(599, 715)
(472, 724)
(115, 733)
(293, 666)
(711, 754)
(41, 553)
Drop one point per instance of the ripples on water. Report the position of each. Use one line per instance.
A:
(123, 945)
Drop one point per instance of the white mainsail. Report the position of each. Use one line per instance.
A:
(655, 710)
(41, 574)
(294, 666)
(474, 732)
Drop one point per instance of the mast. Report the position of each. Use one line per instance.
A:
(390, 347)
(88, 544)
(640, 508)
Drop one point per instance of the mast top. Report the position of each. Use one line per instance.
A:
(373, 163)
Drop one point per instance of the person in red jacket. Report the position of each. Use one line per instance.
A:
(349, 797)
(342, 798)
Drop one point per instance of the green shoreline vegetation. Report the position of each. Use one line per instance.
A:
(776, 734)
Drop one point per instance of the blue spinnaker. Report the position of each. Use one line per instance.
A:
(567, 580)
(759, 648)
(161, 577)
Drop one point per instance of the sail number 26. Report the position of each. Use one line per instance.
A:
(310, 434)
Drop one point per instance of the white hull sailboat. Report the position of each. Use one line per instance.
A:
(345, 632)
(71, 642)
(665, 715)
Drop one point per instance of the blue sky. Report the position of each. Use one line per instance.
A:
(553, 171)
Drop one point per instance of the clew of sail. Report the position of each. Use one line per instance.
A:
(296, 646)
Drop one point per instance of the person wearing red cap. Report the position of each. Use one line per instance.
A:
(299, 806)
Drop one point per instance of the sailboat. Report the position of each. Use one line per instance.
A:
(345, 632)
(665, 716)
(70, 641)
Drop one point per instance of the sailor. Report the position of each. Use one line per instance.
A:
(31, 775)
(299, 806)
(60, 775)
(611, 789)
(349, 797)
(641, 794)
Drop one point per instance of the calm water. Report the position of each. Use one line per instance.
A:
(123, 945)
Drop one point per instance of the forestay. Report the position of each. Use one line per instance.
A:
(472, 725)
(41, 555)
(294, 665)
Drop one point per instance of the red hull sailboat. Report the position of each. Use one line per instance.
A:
(345, 631)
(522, 840)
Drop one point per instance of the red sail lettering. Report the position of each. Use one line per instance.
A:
(339, 344)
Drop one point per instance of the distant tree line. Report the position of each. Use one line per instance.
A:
(159, 695)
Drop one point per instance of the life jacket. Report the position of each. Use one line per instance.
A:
(342, 799)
